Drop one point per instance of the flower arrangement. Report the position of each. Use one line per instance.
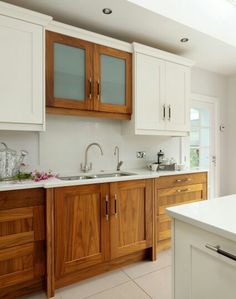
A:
(38, 176)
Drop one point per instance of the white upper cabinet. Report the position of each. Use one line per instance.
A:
(22, 69)
(161, 90)
(149, 93)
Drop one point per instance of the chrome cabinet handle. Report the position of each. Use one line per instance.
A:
(185, 180)
(115, 205)
(98, 87)
(164, 112)
(169, 108)
(220, 251)
(90, 88)
(107, 207)
(183, 190)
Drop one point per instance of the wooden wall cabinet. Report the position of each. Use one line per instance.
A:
(22, 242)
(175, 190)
(98, 225)
(87, 79)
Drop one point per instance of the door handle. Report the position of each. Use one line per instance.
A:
(107, 207)
(220, 251)
(90, 88)
(115, 205)
(183, 190)
(164, 112)
(169, 109)
(98, 89)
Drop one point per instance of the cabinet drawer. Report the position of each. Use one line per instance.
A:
(16, 264)
(163, 227)
(175, 196)
(181, 180)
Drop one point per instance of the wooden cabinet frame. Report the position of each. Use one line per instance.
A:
(91, 105)
(51, 38)
(98, 105)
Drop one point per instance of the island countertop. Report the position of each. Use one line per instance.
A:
(215, 215)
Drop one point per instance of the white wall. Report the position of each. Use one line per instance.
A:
(230, 145)
(61, 148)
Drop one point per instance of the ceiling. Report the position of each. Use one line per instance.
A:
(131, 22)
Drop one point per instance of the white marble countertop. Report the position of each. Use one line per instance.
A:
(55, 182)
(214, 215)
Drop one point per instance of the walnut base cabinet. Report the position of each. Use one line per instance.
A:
(100, 227)
(86, 79)
(175, 190)
(22, 242)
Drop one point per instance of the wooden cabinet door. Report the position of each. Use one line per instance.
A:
(149, 93)
(21, 74)
(177, 97)
(131, 217)
(112, 80)
(81, 227)
(68, 72)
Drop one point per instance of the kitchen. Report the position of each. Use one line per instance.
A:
(74, 126)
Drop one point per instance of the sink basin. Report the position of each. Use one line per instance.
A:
(111, 175)
(96, 176)
(75, 177)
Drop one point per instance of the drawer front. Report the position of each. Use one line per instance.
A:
(163, 227)
(181, 180)
(176, 196)
(16, 265)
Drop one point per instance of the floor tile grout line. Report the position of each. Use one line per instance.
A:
(147, 272)
(120, 284)
(138, 285)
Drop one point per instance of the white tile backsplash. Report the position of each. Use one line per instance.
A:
(62, 146)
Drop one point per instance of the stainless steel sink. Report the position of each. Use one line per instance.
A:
(111, 175)
(74, 178)
(96, 176)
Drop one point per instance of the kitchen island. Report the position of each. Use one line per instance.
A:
(204, 249)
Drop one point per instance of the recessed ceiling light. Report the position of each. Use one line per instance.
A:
(107, 11)
(184, 40)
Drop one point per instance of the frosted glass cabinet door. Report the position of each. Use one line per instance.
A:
(112, 80)
(69, 81)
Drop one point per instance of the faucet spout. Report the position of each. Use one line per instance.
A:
(87, 167)
(119, 163)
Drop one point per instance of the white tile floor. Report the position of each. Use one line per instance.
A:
(138, 281)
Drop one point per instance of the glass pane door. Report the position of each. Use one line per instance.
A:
(69, 72)
(202, 140)
(112, 80)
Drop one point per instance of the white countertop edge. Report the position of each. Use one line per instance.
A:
(139, 174)
(215, 228)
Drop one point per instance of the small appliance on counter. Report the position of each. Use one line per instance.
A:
(165, 164)
(10, 161)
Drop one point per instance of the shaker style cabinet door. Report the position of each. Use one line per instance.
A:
(112, 80)
(131, 217)
(81, 223)
(177, 92)
(149, 93)
(68, 72)
(21, 73)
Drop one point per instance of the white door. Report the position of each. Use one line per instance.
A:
(177, 97)
(203, 140)
(149, 97)
(21, 72)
